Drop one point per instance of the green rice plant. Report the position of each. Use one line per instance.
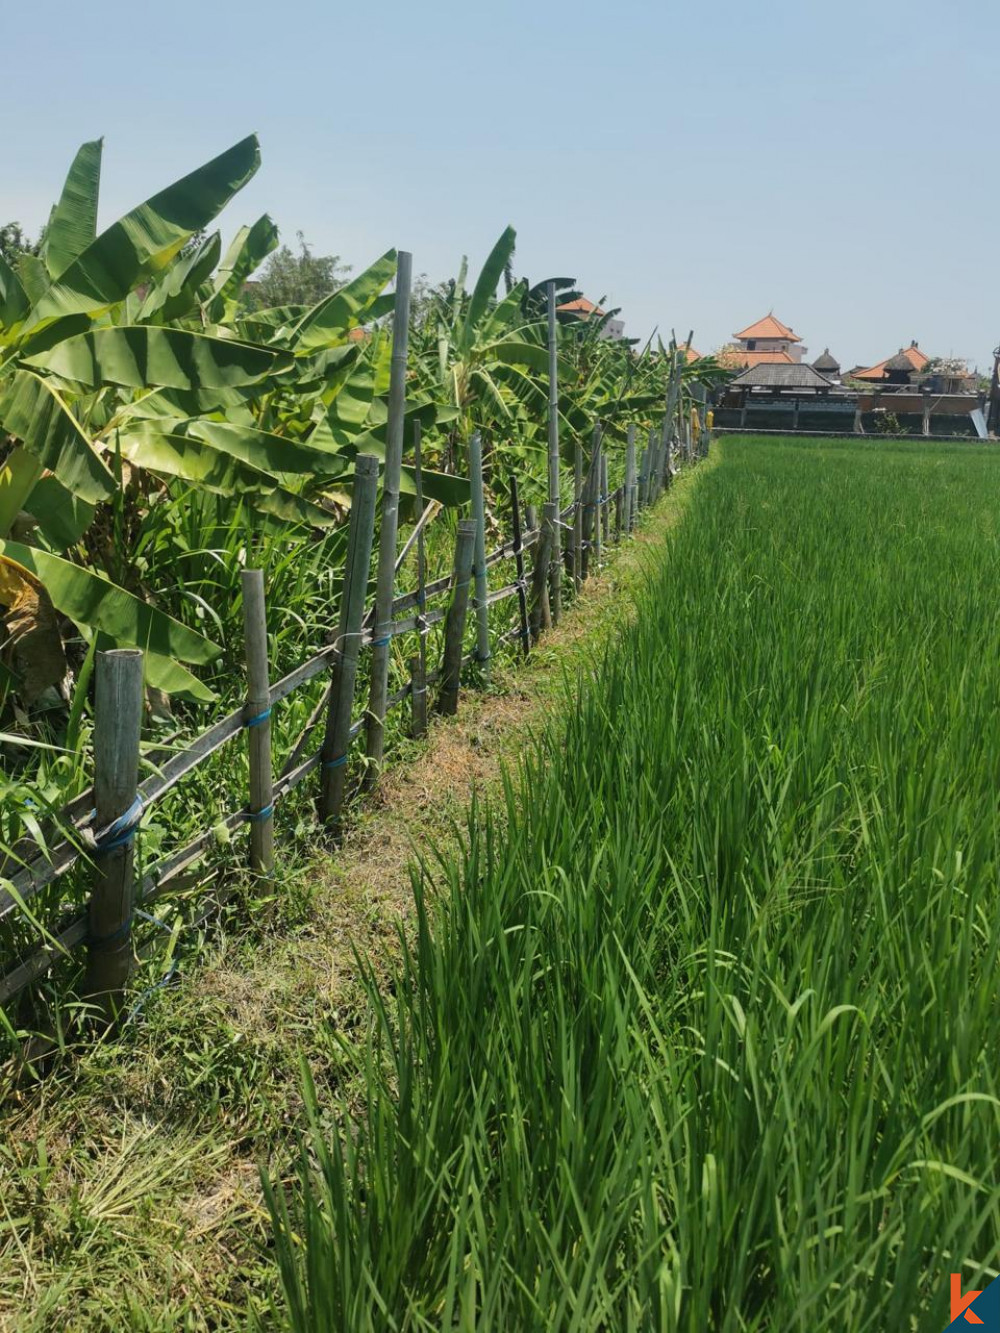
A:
(698, 1031)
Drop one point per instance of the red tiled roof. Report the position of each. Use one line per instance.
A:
(913, 354)
(768, 327)
(581, 306)
(736, 359)
(691, 355)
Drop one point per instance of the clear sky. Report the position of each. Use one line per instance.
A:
(697, 163)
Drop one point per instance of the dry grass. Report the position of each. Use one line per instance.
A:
(129, 1195)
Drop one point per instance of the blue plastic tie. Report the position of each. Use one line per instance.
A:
(335, 763)
(121, 830)
(259, 719)
(380, 643)
(255, 816)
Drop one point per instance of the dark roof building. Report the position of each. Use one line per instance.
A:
(827, 365)
(782, 376)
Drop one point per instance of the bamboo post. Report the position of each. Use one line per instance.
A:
(541, 613)
(643, 485)
(418, 677)
(555, 537)
(629, 482)
(454, 625)
(578, 514)
(619, 511)
(605, 500)
(385, 578)
(479, 554)
(117, 727)
(522, 592)
(591, 493)
(348, 646)
(257, 721)
(925, 394)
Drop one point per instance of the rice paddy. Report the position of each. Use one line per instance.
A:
(700, 1031)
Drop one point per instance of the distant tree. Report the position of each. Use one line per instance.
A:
(14, 242)
(295, 279)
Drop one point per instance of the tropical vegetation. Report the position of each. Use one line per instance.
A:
(163, 426)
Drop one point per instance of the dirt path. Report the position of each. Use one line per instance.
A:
(129, 1193)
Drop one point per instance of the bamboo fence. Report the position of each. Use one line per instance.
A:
(104, 819)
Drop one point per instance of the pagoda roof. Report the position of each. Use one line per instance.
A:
(916, 358)
(768, 327)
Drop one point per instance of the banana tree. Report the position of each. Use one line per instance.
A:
(70, 354)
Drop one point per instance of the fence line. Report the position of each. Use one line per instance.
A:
(104, 828)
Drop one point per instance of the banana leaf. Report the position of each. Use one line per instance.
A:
(32, 410)
(73, 221)
(146, 239)
(176, 294)
(140, 356)
(95, 602)
(329, 322)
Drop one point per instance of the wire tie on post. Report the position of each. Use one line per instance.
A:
(335, 763)
(259, 720)
(381, 643)
(255, 816)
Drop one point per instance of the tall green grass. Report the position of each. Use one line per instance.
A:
(701, 1032)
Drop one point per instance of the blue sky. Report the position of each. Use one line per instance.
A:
(698, 163)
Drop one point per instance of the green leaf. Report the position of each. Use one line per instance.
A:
(145, 240)
(95, 602)
(60, 515)
(177, 292)
(197, 462)
(138, 356)
(486, 285)
(32, 409)
(73, 222)
(165, 674)
(328, 322)
(248, 250)
(14, 304)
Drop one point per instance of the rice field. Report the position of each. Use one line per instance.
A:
(701, 1031)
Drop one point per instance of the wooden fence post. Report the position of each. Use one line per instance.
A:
(385, 578)
(925, 394)
(479, 554)
(578, 488)
(541, 612)
(349, 630)
(522, 592)
(117, 727)
(643, 486)
(454, 625)
(418, 677)
(629, 482)
(591, 492)
(257, 721)
(555, 554)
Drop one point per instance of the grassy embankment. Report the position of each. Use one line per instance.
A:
(701, 1032)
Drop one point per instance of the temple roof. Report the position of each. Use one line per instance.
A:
(775, 376)
(913, 354)
(768, 327)
(736, 359)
